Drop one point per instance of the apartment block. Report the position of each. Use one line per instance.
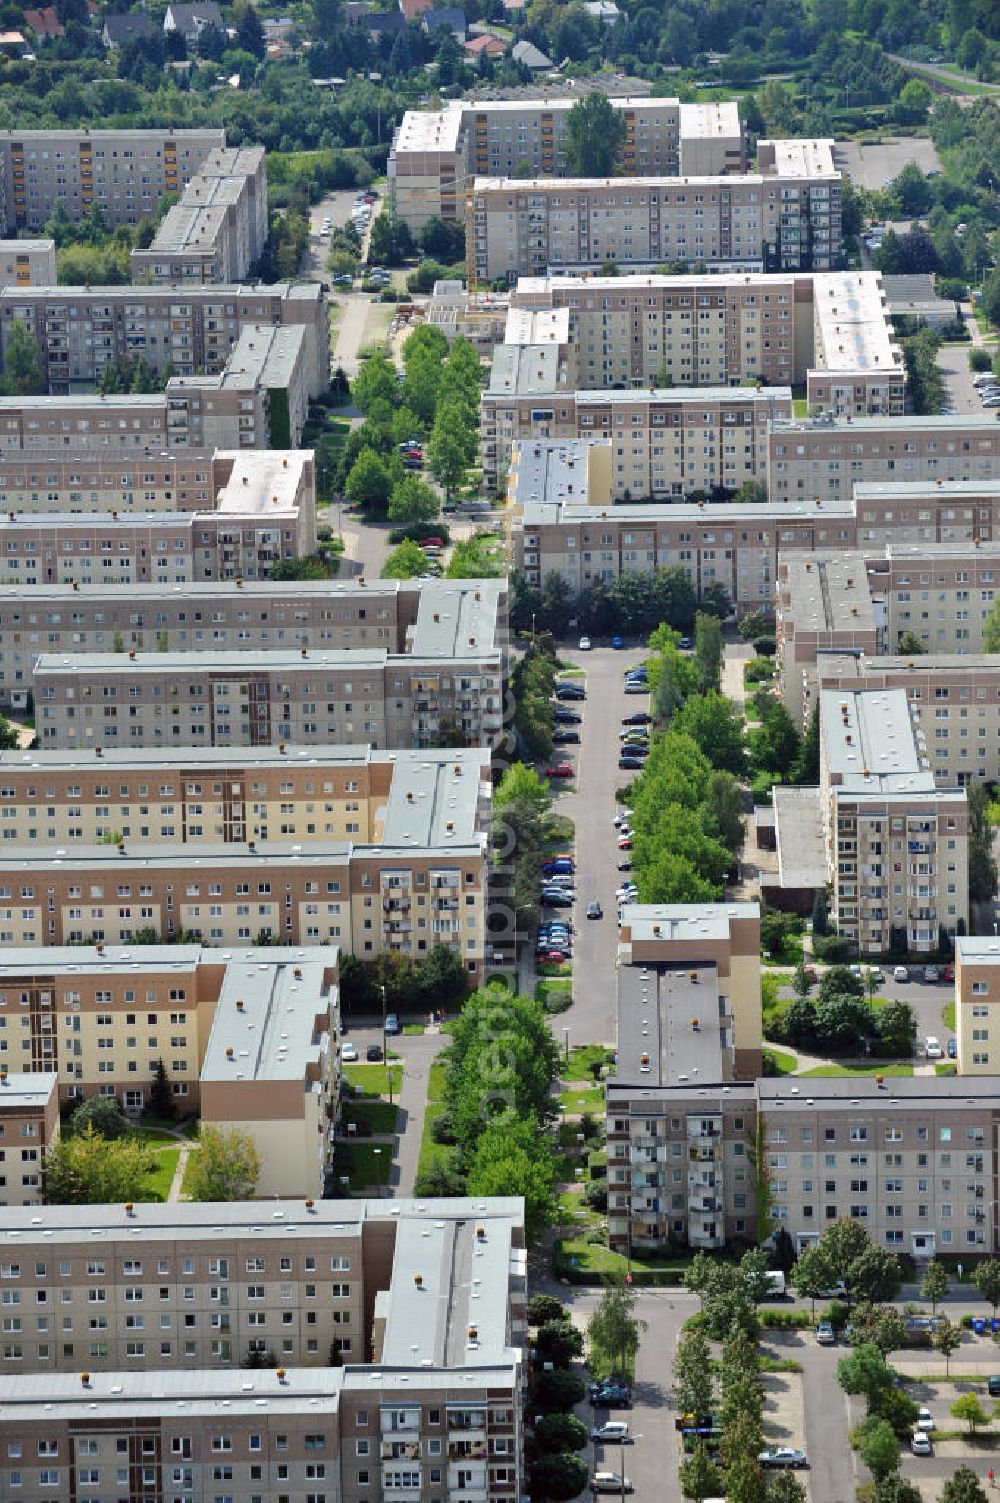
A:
(124, 173)
(785, 217)
(665, 443)
(218, 229)
(28, 263)
(84, 482)
(977, 998)
(896, 844)
(420, 880)
(79, 330)
(825, 457)
(247, 1038)
(29, 1126)
(436, 153)
(376, 1296)
(574, 531)
(824, 606)
(301, 697)
(239, 615)
(259, 401)
(264, 514)
(829, 331)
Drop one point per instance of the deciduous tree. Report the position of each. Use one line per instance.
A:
(87, 1169)
(595, 134)
(225, 1166)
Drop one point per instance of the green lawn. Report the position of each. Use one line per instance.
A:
(367, 1164)
(373, 1080)
(186, 1126)
(563, 968)
(948, 1015)
(581, 1098)
(868, 1068)
(377, 1116)
(580, 1060)
(159, 1182)
(787, 1063)
(412, 1029)
(948, 1067)
(593, 1258)
(155, 1137)
(555, 994)
(430, 1152)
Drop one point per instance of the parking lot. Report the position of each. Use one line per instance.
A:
(953, 361)
(872, 166)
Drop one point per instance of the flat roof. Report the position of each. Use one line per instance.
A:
(28, 245)
(870, 743)
(853, 331)
(431, 130)
(654, 281)
(832, 424)
(240, 664)
(93, 401)
(436, 803)
(801, 157)
(464, 1284)
(97, 136)
(709, 120)
(457, 619)
(726, 513)
(263, 480)
(24, 1090)
(525, 370)
(668, 1025)
(552, 471)
(518, 185)
(155, 291)
(915, 490)
(201, 860)
(798, 824)
(932, 662)
(830, 1093)
(537, 326)
(227, 1393)
(210, 758)
(982, 949)
(271, 1020)
(684, 921)
(829, 594)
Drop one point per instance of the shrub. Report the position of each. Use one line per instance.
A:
(764, 646)
(834, 949)
(980, 360)
(545, 1307)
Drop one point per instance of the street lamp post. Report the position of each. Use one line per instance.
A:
(378, 1173)
(385, 1050)
(566, 1037)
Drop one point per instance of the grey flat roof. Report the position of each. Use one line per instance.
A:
(62, 1398)
(869, 741)
(187, 665)
(21, 1089)
(865, 490)
(932, 662)
(82, 1226)
(885, 426)
(798, 823)
(198, 591)
(829, 1092)
(524, 370)
(265, 1023)
(155, 292)
(210, 758)
(548, 470)
(668, 1026)
(981, 948)
(457, 619)
(435, 802)
(829, 594)
(684, 921)
(200, 860)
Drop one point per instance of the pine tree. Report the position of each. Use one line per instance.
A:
(161, 1096)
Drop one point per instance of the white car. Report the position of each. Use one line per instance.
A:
(921, 1445)
(613, 1430)
(925, 1420)
(348, 1054)
(622, 818)
(900, 973)
(584, 644)
(932, 1047)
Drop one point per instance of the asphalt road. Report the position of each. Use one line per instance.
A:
(591, 804)
(953, 360)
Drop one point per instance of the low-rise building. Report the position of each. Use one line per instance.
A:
(29, 1127)
(218, 229)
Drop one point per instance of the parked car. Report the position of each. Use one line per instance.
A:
(900, 973)
(931, 973)
(553, 957)
(570, 691)
(613, 1430)
(948, 974)
(617, 643)
(685, 644)
(925, 1420)
(875, 974)
(611, 1482)
(559, 770)
(558, 865)
(610, 1395)
(624, 842)
(993, 1385)
(373, 1053)
(921, 1444)
(557, 899)
(638, 717)
(635, 686)
(584, 644)
(630, 764)
(825, 1334)
(932, 1047)
(952, 1048)
(783, 1456)
(567, 717)
(566, 738)
(392, 1023)
(625, 866)
(622, 818)
(430, 542)
(594, 910)
(348, 1054)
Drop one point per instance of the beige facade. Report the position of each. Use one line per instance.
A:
(80, 330)
(977, 1004)
(28, 263)
(124, 173)
(65, 479)
(29, 1127)
(102, 1019)
(416, 878)
(218, 229)
(786, 217)
(824, 458)
(436, 153)
(896, 844)
(665, 443)
(426, 617)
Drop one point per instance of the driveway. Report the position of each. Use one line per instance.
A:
(418, 1053)
(953, 361)
(591, 804)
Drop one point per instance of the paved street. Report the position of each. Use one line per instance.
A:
(953, 360)
(591, 804)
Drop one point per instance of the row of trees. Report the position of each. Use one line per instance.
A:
(841, 1020)
(521, 804)
(437, 979)
(501, 1062)
(632, 603)
(532, 682)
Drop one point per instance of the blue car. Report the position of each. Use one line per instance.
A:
(617, 643)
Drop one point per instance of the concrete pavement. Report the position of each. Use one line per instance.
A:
(418, 1052)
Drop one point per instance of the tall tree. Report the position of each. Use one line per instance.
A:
(226, 1165)
(22, 364)
(987, 1280)
(87, 1169)
(934, 1284)
(693, 1375)
(708, 650)
(982, 862)
(963, 1486)
(613, 1330)
(595, 135)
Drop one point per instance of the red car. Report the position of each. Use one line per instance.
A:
(551, 957)
(431, 543)
(625, 843)
(948, 974)
(559, 770)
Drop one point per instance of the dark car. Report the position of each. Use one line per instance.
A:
(610, 1395)
(373, 1053)
(558, 866)
(557, 899)
(952, 1048)
(566, 738)
(617, 643)
(631, 764)
(685, 644)
(993, 1385)
(594, 911)
(639, 717)
(563, 716)
(570, 691)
